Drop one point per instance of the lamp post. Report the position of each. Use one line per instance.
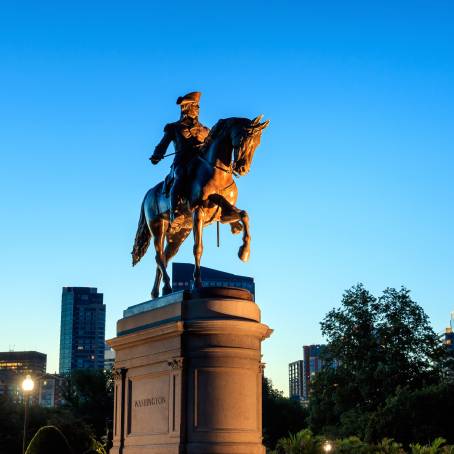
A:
(27, 387)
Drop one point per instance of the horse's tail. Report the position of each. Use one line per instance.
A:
(142, 240)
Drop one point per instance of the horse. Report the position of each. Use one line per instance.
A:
(211, 194)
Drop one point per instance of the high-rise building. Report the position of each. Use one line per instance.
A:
(295, 375)
(302, 372)
(82, 330)
(449, 335)
(312, 365)
(15, 366)
(182, 278)
(24, 363)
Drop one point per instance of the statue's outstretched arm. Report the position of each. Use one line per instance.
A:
(162, 146)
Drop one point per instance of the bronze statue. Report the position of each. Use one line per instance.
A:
(187, 135)
(206, 193)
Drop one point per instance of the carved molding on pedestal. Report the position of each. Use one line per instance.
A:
(116, 374)
(176, 363)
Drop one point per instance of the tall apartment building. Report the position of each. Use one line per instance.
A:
(303, 371)
(295, 379)
(182, 278)
(449, 335)
(82, 330)
(312, 365)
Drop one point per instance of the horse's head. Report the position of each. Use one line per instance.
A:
(245, 136)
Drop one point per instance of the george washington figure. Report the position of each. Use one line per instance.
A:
(188, 136)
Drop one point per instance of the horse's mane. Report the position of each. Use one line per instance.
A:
(215, 131)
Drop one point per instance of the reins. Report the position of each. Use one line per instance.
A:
(205, 149)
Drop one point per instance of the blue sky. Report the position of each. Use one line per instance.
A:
(353, 181)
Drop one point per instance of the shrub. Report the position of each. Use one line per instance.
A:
(48, 440)
(389, 446)
(303, 442)
(96, 447)
(352, 445)
(434, 448)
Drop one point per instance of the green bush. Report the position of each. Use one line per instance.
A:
(435, 448)
(389, 446)
(304, 442)
(96, 447)
(352, 445)
(48, 440)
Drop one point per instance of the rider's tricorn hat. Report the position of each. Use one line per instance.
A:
(193, 97)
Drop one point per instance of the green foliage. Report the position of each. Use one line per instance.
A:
(83, 420)
(280, 415)
(435, 448)
(89, 396)
(380, 345)
(48, 440)
(96, 448)
(303, 442)
(353, 445)
(11, 424)
(77, 431)
(415, 416)
(389, 446)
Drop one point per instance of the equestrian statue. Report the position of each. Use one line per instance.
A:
(199, 189)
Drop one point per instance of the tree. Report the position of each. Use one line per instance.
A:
(88, 409)
(379, 345)
(415, 416)
(49, 440)
(89, 396)
(280, 415)
(78, 433)
(12, 423)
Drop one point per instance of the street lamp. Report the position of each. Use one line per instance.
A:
(27, 387)
(327, 446)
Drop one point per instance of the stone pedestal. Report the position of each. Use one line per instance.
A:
(189, 375)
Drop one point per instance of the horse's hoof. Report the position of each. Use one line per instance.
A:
(236, 228)
(154, 295)
(244, 253)
(167, 290)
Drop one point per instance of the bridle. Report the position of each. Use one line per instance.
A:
(230, 168)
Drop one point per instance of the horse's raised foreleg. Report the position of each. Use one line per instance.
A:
(245, 249)
(232, 215)
(159, 228)
(197, 228)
